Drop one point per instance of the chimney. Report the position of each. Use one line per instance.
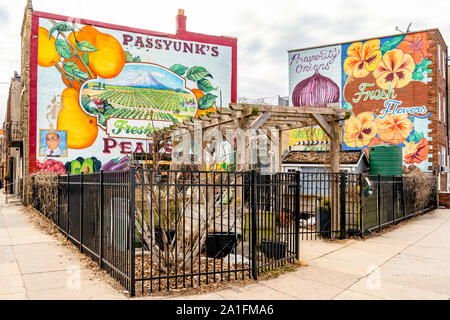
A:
(181, 22)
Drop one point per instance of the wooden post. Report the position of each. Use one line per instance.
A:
(335, 147)
(334, 154)
(280, 151)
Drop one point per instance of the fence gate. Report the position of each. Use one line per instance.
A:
(329, 205)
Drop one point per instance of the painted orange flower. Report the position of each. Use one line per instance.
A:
(359, 130)
(416, 152)
(416, 45)
(362, 59)
(395, 70)
(394, 128)
(372, 143)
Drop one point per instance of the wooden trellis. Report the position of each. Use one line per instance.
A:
(280, 118)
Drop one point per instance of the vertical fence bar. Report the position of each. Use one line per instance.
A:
(102, 200)
(81, 212)
(379, 201)
(253, 225)
(58, 201)
(393, 198)
(132, 187)
(342, 201)
(297, 215)
(403, 199)
(68, 206)
(361, 211)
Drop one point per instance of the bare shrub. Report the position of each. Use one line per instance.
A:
(421, 185)
(41, 192)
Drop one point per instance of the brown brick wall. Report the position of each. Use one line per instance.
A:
(438, 128)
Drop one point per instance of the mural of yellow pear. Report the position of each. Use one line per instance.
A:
(81, 128)
(47, 54)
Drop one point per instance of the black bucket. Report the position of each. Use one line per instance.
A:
(325, 223)
(170, 234)
(274, 249)
(220, 244)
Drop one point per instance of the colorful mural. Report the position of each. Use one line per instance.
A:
(102, 90)
(382, 81)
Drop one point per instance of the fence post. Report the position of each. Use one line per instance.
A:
(81, 212)
(393, 198)
(403, 200)
(342, 201)
(132, 230)
(59, 204)
(361, 194)
(68, 206)
(100, 251)
(379, 202)
(297, 215)
(253, 224)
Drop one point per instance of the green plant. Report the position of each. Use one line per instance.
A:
(325, 204)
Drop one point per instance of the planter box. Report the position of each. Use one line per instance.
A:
(220, 244)
(324, 223)
(274, 249)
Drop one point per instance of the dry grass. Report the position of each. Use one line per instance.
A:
(41, 191)
(421, 185)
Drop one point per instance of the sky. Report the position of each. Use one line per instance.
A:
(265, 29)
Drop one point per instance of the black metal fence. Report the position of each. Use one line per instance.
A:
(155, 230)
(94, 212)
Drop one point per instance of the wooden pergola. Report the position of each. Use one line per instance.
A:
(279, 118)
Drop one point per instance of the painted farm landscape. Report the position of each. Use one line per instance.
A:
(139, 93)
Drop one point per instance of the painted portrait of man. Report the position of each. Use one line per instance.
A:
(53, 143)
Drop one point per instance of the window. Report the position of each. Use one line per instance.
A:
(439, 57)
(444, 159)
(444, 109)
(439, 106)
(444, 64)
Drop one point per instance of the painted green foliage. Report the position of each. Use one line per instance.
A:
(199, 75)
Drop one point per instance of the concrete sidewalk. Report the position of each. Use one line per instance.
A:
(410, 262)
(35, 266)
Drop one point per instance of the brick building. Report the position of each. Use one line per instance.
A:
(395, 87)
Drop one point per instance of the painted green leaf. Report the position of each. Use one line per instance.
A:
(205, 85)
(62, 26)
(71, 68)
(418, 76)
(391, 44)
(86, 46)
(85, 58)
(196, 73)
(207, 101)
(347, 106)
(101, 119)
(63, 49)
(129, 56)
(137, 59)
(179, 69)
(416, 136)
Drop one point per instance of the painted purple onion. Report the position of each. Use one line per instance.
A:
(315, 91)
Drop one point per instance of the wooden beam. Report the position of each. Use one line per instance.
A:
(324, 124)
(289, 109)
(258, 122)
